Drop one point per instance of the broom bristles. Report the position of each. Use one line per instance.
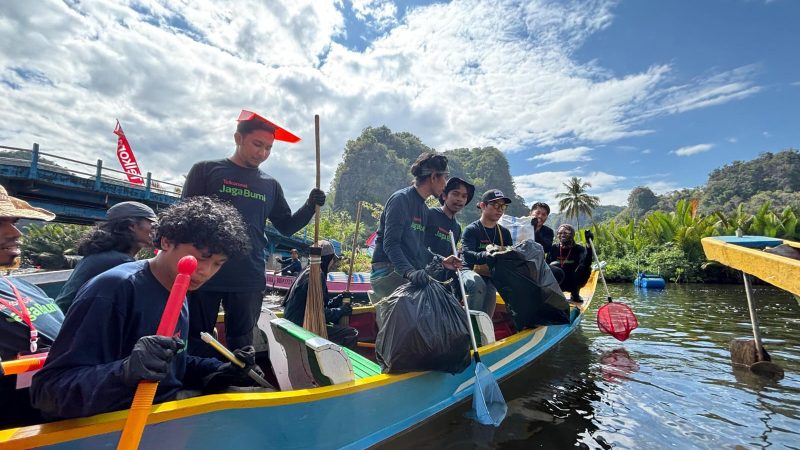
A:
(314, 319)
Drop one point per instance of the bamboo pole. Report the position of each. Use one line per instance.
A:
(345, 320)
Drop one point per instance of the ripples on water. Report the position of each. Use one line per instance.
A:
(671, 385)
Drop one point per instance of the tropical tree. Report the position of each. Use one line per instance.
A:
(576, 200)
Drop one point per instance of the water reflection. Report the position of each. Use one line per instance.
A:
(670, 385)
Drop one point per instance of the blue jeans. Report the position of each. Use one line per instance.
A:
(481, 293)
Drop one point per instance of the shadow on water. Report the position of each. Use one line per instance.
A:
(671, 385)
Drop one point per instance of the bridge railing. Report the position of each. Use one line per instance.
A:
(32, 157)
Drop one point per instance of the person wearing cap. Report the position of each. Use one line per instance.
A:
(29, 319)
(295, 301)
(237, 180)
(127, 229)
(108, 345)
(570, 262)
(292, 265)
(478, 237)
(401, 254)
(543, 234)
(441, 221)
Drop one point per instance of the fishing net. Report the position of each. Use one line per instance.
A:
(488, 405)
(616, 319)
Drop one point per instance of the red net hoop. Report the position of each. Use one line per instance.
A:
(616, 319)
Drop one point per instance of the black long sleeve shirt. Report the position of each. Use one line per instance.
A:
(477, 238)
(401, 232)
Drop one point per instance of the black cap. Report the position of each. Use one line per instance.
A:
(492, 195)
(452, 183)
(130, 209)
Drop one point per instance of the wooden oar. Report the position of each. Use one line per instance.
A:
(488, 405)
(146, 391)
(314, 319)
(345, 320)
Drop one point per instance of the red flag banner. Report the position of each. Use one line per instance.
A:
(126, 158)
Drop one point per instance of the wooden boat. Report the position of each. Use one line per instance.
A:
(370, 408)
(745, 254)
(337, 282)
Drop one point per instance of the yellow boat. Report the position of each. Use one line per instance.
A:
(745, 253)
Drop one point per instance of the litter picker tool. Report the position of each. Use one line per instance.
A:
(208, 339)
(488, 405)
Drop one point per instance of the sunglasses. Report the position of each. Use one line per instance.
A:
(500, 206)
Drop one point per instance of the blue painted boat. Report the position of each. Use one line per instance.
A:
(648, 281)
(355, 414)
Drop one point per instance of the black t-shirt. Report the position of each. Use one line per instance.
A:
(477, 238)
(258, 197)
(45, 316)
(89, 267)
(437, 232)
(83, 372)
(544, 237)
(401, 232)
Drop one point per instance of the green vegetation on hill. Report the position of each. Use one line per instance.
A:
(377, 163)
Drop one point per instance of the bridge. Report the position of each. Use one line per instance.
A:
(78, 192)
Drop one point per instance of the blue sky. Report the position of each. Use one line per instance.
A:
(619, 93)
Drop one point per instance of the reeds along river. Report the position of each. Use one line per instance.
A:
(671, 385)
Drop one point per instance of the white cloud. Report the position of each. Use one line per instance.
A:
(693, 149)
(463, 74)
(766, 134)
(733, 140)
(543, 186)
(646, 151)
(563, 155)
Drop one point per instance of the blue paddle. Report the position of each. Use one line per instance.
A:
(488, 405)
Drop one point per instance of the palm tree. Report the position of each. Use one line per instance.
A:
(576, 201)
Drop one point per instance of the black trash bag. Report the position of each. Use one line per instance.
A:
(528, 287)
(422, 329)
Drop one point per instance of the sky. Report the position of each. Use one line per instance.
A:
(619, 93)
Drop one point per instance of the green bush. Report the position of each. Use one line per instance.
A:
(49, 246)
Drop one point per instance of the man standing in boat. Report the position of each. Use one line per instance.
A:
(400, 252)
(571, 262)
(478, 237)
(237, 180)
(106, 346)
(29, 319)
(441, 221)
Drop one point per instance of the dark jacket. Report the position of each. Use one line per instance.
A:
(295, 301)
(544, 237)
(89, 267)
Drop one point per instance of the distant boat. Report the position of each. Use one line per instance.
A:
(649, 281)
(337, 282)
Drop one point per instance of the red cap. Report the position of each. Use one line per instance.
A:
(280, 133)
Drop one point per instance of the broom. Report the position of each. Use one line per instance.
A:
(314, 319)
(345, 320)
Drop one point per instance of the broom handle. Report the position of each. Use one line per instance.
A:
(146, 390)
(353, 250)
(316, 212)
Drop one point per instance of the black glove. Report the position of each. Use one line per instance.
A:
(419, 278)
(488, 257)
(534, 222)
(342, 311)
(229, 374)
(150, 359)
(316, 197)
(587, 235)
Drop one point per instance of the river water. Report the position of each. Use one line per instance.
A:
(671, 385)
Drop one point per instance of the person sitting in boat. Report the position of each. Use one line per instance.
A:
(29, 319)
(479, 236)
(543, 234)
(400, 254)
(127, 229)
(571, 262)
(441, 221)
(295, 301)
(106, 345)
(291, 265)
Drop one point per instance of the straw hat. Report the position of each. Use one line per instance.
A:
(14, 207)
